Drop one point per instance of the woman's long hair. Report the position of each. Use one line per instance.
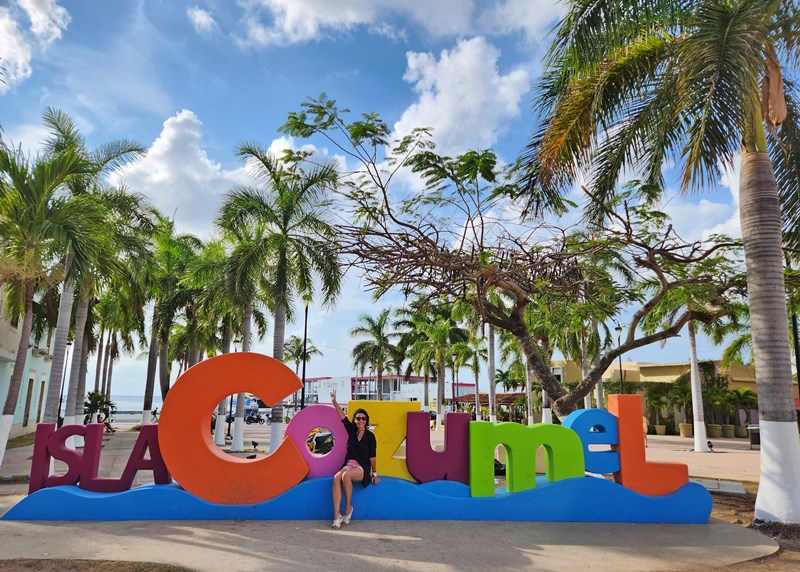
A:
(364, 411)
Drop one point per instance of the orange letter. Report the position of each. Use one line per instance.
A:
(184, 436)
(635, 472)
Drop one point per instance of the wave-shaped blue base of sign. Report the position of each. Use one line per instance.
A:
(585, 499)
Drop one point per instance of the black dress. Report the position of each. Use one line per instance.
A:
(360, 451)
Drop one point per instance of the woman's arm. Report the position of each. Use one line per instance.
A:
(336, 405)
(374, 471)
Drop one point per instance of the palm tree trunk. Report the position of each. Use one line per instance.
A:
(106, 359)
(700, 440)
(163, 365)
(82, 366)
(778, 498)
(440, 373)
(529, 394)
(51, 411)
(587, 399)
(99, 365)
(237, 444)
(380, 382)
(598, 388)
(150, 377)
(491, 367)
(219, 428)
(193, 355)
(81, 315)
(110, 374)
(7, 419)
(426, 389)
(477, 397)
(276, 430)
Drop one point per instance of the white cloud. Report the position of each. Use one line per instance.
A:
(202, 20)
(48, 19)
(531, 17)
(730, 179)
(462, 96)
(293, 21)
(280, 22)
(179, 177)
(15, 53)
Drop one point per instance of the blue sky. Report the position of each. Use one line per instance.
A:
(191, 80)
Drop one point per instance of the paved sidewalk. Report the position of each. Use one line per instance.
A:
(386, 545)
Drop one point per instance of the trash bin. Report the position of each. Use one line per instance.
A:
(755, 435)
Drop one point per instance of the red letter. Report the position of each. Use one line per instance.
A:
(635, 472)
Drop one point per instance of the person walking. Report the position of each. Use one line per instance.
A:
(359, 462)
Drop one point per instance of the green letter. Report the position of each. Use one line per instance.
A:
(562, 446)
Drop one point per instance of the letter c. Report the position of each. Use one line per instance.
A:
(184, 435)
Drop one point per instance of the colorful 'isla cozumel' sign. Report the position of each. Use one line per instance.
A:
(194, 479)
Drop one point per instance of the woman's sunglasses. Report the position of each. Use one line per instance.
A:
(360, 418)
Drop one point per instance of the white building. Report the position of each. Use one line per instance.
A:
(395, 388)
(33, 391)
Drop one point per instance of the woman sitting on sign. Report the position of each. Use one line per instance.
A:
(359, 462)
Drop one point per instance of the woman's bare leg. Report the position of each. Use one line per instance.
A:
(347, 480)
(337, 494)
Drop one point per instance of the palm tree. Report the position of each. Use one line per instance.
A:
(293, 351)
(36, 223)
(743, 398)
(63, 135)
(408, 325)
(436, 342)
(700, 441)
(296, 245)
(472, 353)
(377, 350)
(631, 85)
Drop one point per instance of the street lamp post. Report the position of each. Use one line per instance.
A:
(619, 344)
(305, 347)
(59, 418)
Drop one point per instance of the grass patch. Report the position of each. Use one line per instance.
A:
(18, 480)
(86, 566)
(22, 441)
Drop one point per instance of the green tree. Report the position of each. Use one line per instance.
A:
(63, 134)
(294, 241)
(471, 353)
(293, 351)
(631, 85)
(743, 398)
(377, 349)
(37, 223)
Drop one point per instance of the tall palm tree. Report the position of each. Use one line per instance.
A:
(436, 341)
(408, 324)
(377, 350)
(472, 353)
(37, 222)
(293, 351)
(173, 253)
(297, 245)
(633, 85)
(63, 134)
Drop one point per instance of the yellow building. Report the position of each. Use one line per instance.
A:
(639, 371)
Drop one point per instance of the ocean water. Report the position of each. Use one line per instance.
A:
(133, 403)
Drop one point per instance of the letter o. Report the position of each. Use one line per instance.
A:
(299, 429)
(189, 452)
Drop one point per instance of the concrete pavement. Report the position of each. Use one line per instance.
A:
(386, 545)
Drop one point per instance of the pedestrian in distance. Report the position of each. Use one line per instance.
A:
(359, 463)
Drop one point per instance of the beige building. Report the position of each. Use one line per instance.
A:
(639, 371)
(33, 391)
